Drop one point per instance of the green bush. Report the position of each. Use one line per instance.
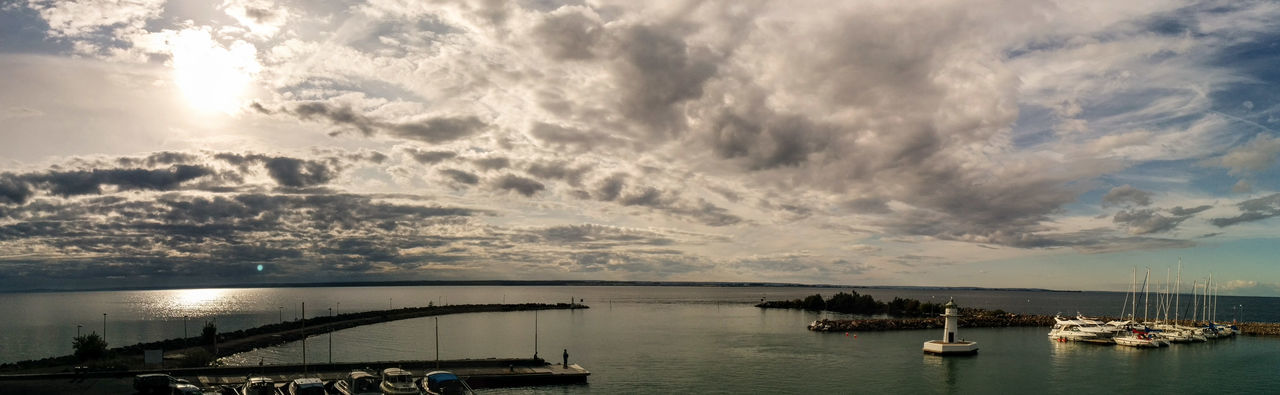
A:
(208, 333)
(90, 346)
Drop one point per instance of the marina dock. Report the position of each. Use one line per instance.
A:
(479, 373)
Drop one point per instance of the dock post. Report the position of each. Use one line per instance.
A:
(437, 342)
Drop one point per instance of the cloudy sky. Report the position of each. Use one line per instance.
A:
(954, 143)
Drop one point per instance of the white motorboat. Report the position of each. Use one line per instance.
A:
(1075, 331)
(1137, 339)
(305, 386)
(358, 382)
(396, 381)
(258, 386)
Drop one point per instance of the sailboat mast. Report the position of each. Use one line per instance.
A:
(1177, 292)
(1133, 310)
(1146, 295)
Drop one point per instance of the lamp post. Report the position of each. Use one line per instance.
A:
(331, 336)
(104, 327)
(184, 331)
(78, 330)
(281, 313)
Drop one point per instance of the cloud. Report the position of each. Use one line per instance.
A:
(1146, 221)
(430, 157)
(491, 163)
(522, 185)
(287, 171)
(264, 18)
(460, 176)
(1126, 195)
(1256, 156)
(80, 18)
(1252, 210)
(86, 182)
(431, 130)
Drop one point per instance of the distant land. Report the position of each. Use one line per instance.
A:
(530, 283)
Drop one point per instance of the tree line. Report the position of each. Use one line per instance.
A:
(853, 303)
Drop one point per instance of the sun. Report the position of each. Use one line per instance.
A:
(212, 78)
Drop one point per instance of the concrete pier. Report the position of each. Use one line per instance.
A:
(479, 373)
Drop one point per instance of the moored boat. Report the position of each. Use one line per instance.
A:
(358, 382)
(258, 386)
(444, 383)
(396, 381)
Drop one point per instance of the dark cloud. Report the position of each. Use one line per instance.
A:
(298, 173)
(337, 115)
(868, 205)
(1145, 221)
(558, 170)
(86, 182)
(460, 176)
(610, 188)
(437, 130)
(569, 33)
(1252, 210)
(430, 157)
(656, 71)
(1126, 194)
(646, 196)
(766, 141)
(522, 185)
(432, 130)
(13, 189)
(288, 171)
(576, 139)
(492, 163)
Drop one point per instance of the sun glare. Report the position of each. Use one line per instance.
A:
(213, 78)
(196, 298)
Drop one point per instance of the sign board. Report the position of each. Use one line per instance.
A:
(151, 357)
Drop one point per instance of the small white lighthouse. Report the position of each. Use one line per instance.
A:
(950, 345)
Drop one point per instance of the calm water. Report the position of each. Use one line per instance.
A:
(673, 339)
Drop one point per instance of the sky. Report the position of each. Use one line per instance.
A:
(1041, 144)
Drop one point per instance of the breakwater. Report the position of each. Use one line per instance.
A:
(891, 324)
(198, 351)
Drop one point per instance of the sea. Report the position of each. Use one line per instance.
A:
(673, 339)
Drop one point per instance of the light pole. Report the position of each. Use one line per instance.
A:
(184, 331)
(331, 336)
(78, 330)
(104, 327)
(281, 313)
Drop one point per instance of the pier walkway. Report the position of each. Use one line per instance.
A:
(479, 373)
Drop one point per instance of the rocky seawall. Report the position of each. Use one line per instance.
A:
(892, 324)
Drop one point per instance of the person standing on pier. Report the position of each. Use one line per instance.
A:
(566, 358)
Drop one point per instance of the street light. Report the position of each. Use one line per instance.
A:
(104, 327)
(281, 314)
(331, 336)
(184, 331)
(78, 330)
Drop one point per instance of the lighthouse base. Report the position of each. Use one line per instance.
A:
(938, 347)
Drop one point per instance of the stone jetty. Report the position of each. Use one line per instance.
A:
(968, 321)
(130, 357)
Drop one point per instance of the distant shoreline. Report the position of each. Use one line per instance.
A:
(533, 283)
